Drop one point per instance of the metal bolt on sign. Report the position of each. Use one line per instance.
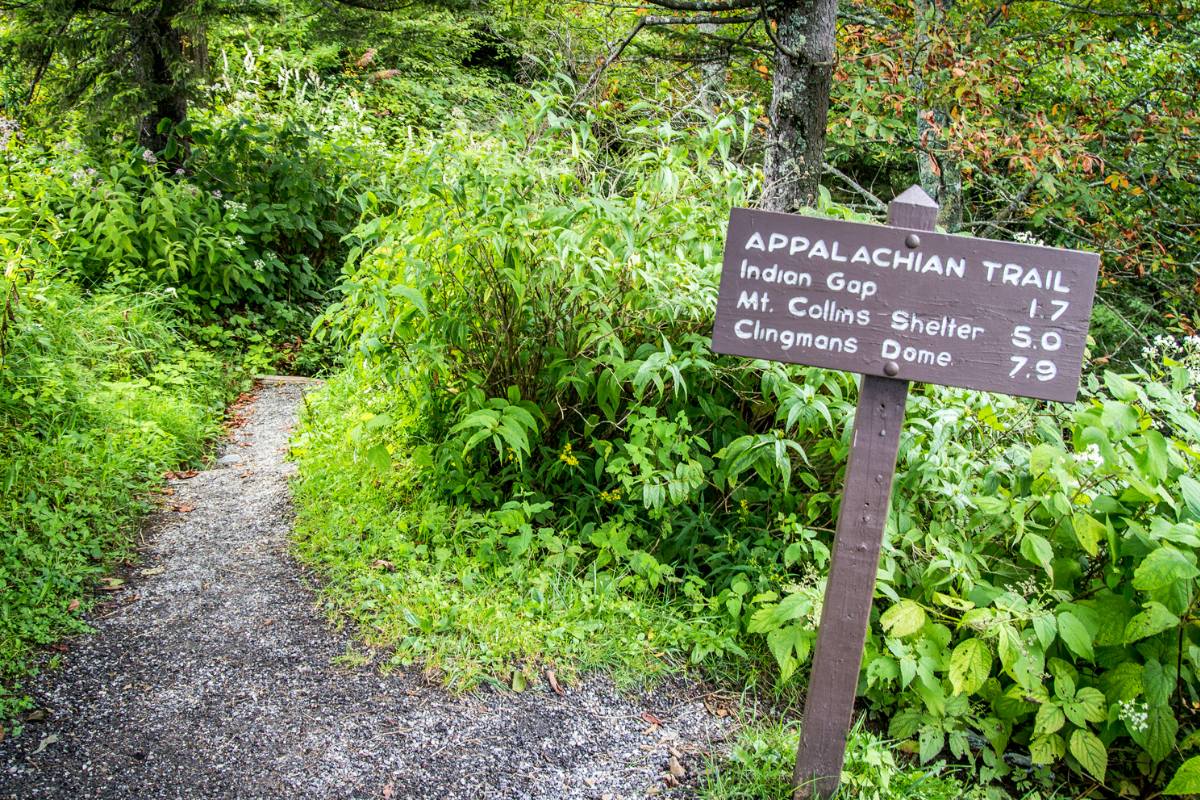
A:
(897, 303)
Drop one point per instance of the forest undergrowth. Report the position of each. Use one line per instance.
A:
(527, 457)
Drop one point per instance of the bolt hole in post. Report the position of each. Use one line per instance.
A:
(957, 311)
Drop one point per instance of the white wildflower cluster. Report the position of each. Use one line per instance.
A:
(239, 241)
(149, 157)
(1136, 715)
(259, 263)
(1090, 455)
(8, 129)
(82, 175)
(234, 208)
(1025, 237)
(1184, 350)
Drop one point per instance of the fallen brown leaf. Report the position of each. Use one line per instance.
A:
(166, 490)
(648, 716)
(383, 564)
(153, 571)
(550, 676)
(112, 584)
(46, 742)
(73, 605)
(677, 770)
(184, 508)
(183, 475)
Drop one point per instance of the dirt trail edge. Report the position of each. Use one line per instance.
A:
(212, 676)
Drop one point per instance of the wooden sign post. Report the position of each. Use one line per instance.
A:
(897, 303)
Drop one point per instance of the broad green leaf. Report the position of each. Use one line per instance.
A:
(1064, 678)
(1157, 735)
(905, 724)
(1190, 488)
(970, 666)
(1038, 550)
(1186, 779)
(378, 421)
(1089, 531)
(1163, 568)
(782, 641)
(1122, 682)
(1075, 635)
(1043, 457)
(1013, 703)
(1046, 628)
(1154, 618)
(1089, 751)
(1120, 420)
(379, 457)
(1152, 456)
(1088, 706)
(1048, 720)
(903, 619)
(1157, 682)
(931, 742)
(1121, 388)
(1047, 749)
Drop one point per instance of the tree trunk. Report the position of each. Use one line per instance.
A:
(713, 68)
(938, 167)
(163, 68)
(804, 53)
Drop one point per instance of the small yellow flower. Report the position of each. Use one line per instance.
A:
(567, 457)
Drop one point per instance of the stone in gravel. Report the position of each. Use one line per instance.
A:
(212, 677)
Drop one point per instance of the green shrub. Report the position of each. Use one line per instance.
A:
(537, 313)
(759, 767)
(98, 396)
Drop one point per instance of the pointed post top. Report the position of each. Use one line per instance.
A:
(913, 208)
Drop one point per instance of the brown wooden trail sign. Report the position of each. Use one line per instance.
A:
(898, 303)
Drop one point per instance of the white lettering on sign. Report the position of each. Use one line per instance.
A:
(913, 304)
(773, 274)
(910, 322)
(859, 288)
(828, 311)
(835, 250)
(894, 351)
(752, 330)
(1050, 280)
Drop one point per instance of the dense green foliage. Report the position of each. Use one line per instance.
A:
(531, 458)
(98, 396)
(539, 406)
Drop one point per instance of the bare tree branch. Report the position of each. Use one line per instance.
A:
(874, 201)
(652, 20)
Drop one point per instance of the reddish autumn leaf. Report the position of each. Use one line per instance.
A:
(650, 718)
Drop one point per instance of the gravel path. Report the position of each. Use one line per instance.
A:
(210, 675)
